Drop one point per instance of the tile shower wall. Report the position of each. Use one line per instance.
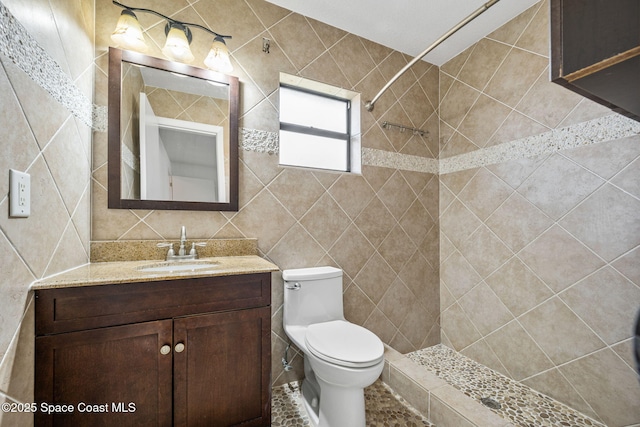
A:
(380, 227)
(540, 263)
(40, 136)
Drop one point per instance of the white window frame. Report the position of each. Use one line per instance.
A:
(292, 133)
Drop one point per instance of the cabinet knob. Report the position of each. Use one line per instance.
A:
(165, 349)
(179, 347)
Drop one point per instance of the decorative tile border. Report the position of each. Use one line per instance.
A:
(99, 116)
(607, 128)
(387, 159)
(267, 142)
(260, 141)
(25, 52)
(128, 158)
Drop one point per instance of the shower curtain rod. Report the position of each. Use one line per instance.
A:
(370, 104)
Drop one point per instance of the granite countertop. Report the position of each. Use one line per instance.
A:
(103, 273)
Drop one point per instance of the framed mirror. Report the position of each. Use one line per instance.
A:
(173, 135)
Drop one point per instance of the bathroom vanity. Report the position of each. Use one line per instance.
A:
(133, 348)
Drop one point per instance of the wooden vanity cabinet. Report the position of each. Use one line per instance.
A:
(192, 352)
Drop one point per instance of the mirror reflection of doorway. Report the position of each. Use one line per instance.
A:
(179, 159)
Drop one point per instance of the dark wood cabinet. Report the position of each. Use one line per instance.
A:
(595, 51)
(109, 376)
(193, 352)
(221, 368)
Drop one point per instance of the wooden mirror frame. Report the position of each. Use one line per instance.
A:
(115, 200)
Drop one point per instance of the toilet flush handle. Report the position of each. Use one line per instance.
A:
(293, 286)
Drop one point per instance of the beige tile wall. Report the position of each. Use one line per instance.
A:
(41, 137)
(380, 227)
(540, 257)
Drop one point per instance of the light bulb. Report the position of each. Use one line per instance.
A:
(128, 33)
(218, 57)
(177, 45)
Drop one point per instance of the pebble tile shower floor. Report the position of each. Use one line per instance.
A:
(519, 404)
(384, 408)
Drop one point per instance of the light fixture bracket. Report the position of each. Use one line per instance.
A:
(129, 12)
(180, 26)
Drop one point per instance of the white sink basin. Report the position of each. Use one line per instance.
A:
(177, 266)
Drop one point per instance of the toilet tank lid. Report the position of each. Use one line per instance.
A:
(313, 273)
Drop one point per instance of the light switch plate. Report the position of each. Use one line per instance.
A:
(19, 194)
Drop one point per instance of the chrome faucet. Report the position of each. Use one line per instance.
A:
(183, 240)
(182, 251)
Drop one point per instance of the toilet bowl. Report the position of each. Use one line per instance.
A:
(340, 358)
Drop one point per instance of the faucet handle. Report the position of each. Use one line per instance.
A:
(193, 247)
(167, 245)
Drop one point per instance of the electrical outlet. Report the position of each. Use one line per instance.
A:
(19, 194)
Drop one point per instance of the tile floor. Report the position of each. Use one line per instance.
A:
(519, 404)
(383, 406)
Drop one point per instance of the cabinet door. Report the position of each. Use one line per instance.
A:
(595, 51)
(222, 377)
(113, 376)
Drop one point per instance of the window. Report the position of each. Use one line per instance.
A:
(317, 124)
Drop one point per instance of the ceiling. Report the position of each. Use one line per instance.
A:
(410, 26)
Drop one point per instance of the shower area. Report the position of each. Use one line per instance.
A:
(539, 229)
(539, 256)
(539, 245)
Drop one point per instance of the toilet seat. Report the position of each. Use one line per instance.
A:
(344, 343)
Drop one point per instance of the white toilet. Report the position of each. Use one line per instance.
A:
(340, 358)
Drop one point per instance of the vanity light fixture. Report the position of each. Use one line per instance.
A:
(218, 57)
(178, 40)
(128, 34)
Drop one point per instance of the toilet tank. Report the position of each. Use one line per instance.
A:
(312, 295)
